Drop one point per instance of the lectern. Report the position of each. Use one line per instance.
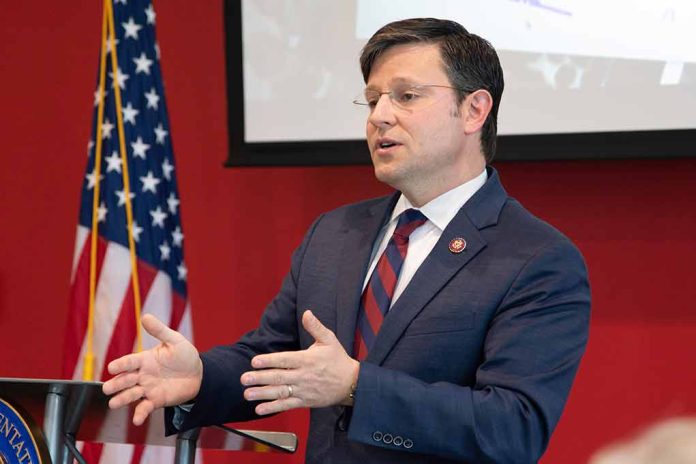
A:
(71, 411)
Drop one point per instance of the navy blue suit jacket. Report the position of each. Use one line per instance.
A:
(473, 362)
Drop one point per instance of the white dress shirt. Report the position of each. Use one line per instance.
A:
(439, 212)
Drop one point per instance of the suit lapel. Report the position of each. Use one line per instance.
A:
(441, 265)
(437, 269)
(360, 234)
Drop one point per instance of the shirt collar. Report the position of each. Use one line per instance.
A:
(442, 209)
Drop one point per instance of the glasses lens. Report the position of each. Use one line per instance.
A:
(407, 97)
(371, 98)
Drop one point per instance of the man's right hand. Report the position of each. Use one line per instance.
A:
(166, 375)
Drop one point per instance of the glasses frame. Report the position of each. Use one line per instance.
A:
(360, 99)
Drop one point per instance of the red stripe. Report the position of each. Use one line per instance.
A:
(178, 308)
(387, 275)
(76, 326)
(92, 452)
(374, 315)
(361, 349)
(403, 249)
(137, 454)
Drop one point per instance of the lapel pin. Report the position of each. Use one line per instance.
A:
(457, 245)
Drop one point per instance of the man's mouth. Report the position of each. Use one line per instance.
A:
(384, 145)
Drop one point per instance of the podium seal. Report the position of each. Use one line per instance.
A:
(21, 442)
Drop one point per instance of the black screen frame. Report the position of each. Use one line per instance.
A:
(676, 143)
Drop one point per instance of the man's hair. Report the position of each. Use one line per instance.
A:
(470, 62)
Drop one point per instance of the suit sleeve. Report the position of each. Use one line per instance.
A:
(531, 353)
(220, 398)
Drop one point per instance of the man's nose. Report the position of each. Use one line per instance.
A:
(383, 112)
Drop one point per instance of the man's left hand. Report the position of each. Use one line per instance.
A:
(319, 376)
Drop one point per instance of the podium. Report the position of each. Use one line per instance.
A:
(71, 411)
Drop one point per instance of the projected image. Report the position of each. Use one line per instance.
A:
(629, 29)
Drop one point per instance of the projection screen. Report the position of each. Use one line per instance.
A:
(584, 79)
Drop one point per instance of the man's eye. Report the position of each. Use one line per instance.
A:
(407, 97)
(372, 100)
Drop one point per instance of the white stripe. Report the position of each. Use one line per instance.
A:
(116, 454)
(80, 240)
(161, 454)
(186, 326)
(158, 303)
(113, 284)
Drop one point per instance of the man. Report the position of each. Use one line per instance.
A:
(442, 323)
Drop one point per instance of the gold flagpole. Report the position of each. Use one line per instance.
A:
(88, 362)
(126, 180)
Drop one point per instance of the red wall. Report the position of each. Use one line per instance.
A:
(634, 220)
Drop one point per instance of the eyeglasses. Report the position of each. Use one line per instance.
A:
(407, 97)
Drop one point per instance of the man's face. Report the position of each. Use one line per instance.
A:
(419, 151)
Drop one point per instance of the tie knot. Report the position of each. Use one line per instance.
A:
(409, 220)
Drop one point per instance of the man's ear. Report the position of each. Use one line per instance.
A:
(476, 107)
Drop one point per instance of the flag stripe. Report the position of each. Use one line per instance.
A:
(92, 452)
(80, 238)
(137, 454)
(158, 303)
(79, 297)
(124, 331)
(178, 309)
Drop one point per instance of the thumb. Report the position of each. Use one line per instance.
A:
(159, 330)
(316, 329)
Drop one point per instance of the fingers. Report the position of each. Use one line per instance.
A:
(282, 360)
(127, 396)
(120, 382)
(159, 330)
(142, 410)
(269, 377)
(316, 329)
(270, 392)
(279, 406)
(129, 362)
(277, 389)
(130, 395)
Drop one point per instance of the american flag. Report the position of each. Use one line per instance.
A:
(156, 221)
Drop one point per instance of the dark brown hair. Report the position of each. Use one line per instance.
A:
(470, 62)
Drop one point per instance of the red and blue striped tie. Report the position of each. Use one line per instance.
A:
(376, 299)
